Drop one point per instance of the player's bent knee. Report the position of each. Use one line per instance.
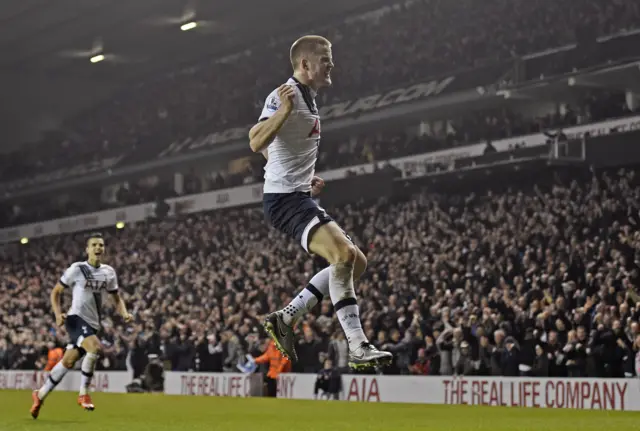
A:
(360, 264)
(68, 363)
(70, 358)
(92, 345)
(95, 349)
(345, 253)
(330, 242)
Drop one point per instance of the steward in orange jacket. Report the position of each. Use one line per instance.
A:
(278, 363)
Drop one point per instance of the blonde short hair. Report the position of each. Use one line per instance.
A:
(304, 46)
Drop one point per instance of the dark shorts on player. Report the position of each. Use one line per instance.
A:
(78, 330)
(295, 214)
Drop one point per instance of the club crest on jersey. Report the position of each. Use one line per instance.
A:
(316, 129)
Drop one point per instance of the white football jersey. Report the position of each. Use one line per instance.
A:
(88, 283)
(293, 153)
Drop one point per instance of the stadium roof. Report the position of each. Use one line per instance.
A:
(45, 45)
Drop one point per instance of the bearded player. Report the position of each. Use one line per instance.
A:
(288, 135)
(89, 280)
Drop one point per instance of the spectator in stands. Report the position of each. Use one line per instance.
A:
(421, 366)
(4, 363)
(498, 353)
(329, 381)
(445, 346)
(277, 364)
(510, 358)
(541, 363)
(309, 353)
(339, 350)
(465, 366)
(139, 358)
(209, 354)
(401, 349)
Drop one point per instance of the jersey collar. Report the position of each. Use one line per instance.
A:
(305, 87)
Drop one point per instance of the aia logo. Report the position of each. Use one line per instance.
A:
(95, 285)
(316, 129)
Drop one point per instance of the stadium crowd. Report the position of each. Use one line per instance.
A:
(396, 45)
(537, 278)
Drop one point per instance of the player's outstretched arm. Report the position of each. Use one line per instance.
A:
(56, 293)
(262, 134)
(121, 308)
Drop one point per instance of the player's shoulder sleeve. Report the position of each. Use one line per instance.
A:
(112, 279)
(271, 105)
(69, 275)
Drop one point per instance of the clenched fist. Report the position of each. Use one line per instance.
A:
(317, 184)
(286, 94)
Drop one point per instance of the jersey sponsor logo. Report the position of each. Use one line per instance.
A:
(91, 283)
(95, 285)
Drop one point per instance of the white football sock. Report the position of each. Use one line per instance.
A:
(55, 376)
(88, 367)
(304, 301)
(343, 297)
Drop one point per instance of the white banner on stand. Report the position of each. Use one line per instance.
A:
(103, 381)
(602, 394)
(213, 384)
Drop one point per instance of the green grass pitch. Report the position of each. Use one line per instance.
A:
(142, 412)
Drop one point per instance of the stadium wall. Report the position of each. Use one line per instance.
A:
(600, 394)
